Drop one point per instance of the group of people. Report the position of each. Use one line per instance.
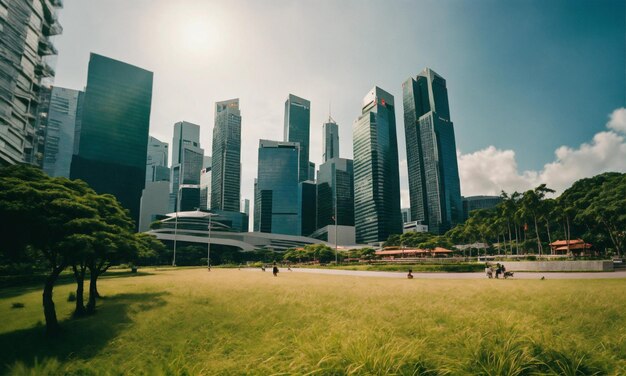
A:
(499, 270)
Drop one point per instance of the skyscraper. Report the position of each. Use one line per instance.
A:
(331, 140)
(187, 161)
(205, 184)
(226, 168)
(307, 207)
(434, 187)
(26, 49)
(114, 133)
(60, 127)
(335, 193)
(156, 163)
(376, 175)
(276, 188)
(297, 127)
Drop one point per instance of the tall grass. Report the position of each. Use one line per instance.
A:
(187, 322)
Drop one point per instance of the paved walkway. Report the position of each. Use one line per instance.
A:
(518, 275)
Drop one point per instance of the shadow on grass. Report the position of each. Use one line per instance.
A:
(80, 338)
(11, 289)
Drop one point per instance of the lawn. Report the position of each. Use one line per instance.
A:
(230, 321)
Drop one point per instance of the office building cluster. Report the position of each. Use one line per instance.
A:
(101, 135)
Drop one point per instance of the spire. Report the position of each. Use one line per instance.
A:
(330, 118)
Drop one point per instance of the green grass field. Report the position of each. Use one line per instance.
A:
(228, 321)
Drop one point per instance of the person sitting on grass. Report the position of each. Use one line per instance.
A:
(410, 275)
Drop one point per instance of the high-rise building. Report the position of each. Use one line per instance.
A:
(156, 163)
(376, 174)
(307, 208)
(27, 53)
(59, 130)
(406, 215)
(187, 161)
(297, 128)
(276, 188)
(434, 188)
(478, 202)
(331, 140)
(114, 132)
(311, 171)
(245, 206)
(226, 168)
(205, 184)
(335, 193)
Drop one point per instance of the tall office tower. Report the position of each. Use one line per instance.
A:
(335, 193)
(406, 215)
(226, 169)
(156, 164)
(26, 49)
(307, 207)
(187, 161)
(297, 126)
(276, 189)
(311, 171)
(205, 184)
(59, 130)
(245, 206)
(434, 187)
(376, 174)
(114, 133)
(331, 140)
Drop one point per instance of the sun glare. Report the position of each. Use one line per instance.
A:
(197, 35)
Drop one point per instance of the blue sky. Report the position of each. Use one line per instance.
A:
(523, 76)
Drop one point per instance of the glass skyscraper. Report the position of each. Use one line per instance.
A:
(335, 193)
(307, 208)
(434, 188)
(25, 70)
(187, 164)
(156, 163)
(331, 140)
(276, 188)
(376, 173)
(114, 131)
(226, 168)
(297, 128)
(63, 110)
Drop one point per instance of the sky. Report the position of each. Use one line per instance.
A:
(537, 89)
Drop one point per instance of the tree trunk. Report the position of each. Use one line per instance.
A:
(510, 240)
(537, 233)
(79, 274)
(49, 312)
(548, 229)
(93, 291)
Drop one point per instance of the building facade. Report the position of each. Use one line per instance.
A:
(276, 188)
(307, 208)
(330, 142)
(335, 193)
(434, 187)
(187, 161)
(226, 165)
(297, 129)
(63, 110)
(113, 141)
(479, 202)
(27, 54)
(205, 184)
(376, 172)
(156, 164)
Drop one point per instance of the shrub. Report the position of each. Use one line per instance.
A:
(17, 305)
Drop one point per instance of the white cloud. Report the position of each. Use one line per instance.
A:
(491, 170)
(617, 120)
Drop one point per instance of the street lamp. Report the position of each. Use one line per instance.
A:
(208, 248)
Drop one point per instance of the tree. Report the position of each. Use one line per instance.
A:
(35, 211)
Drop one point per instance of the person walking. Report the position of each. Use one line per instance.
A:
(275, 271)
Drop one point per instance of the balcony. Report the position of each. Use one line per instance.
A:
(46, 48)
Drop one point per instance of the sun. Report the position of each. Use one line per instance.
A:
(197, 34)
